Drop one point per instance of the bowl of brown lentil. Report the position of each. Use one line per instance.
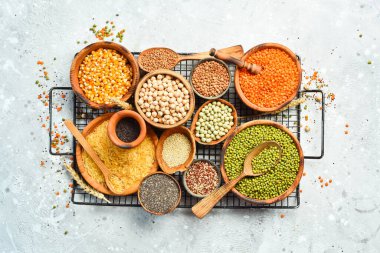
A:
(104, 70)
(175, 149)
(210, 78)
(201, 178)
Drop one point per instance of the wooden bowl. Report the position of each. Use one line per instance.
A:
(171, 209)
(196, 116)
(185, 174)
(218, 61)
(115, 119)
(255, 49)
(75, 65)
(175, 75)
(79, 150)
(300, 169)
(182, 130)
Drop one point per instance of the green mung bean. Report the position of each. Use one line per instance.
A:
(279, 178)
(265, 161)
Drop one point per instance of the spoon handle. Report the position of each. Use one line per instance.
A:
(253, 68)
(204, 206)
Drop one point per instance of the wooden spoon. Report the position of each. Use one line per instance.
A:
(224, 56)
(204, 206)
(91, 152)
(234, 51)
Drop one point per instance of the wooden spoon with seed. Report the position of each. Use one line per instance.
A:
(204, 206)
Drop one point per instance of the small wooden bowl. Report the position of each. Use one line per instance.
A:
(175, 75)
(218, 61)
(79, 150)
(255, 49)
(196, 116)
(75, 65)
(182, 130)
(115, 119)
(185, 174)
(300, 169)
(171, 209)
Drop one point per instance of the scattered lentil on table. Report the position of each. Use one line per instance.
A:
(276, 181)
(127, 129)
(276, 83)
(201, 178)
(158, 58)
(210, 78)
(164, 99)
(159, 193)
(215, 120)
(105, 73)
(176, 150)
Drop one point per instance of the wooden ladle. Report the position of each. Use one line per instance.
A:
(204, 206)
(91, 152)
(234, 51)
(225, 56)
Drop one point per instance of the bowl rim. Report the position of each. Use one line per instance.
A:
(205, 60)
(188, 168)
(300, 168)
(112, 125)
(173, 207)
(81, 55)
(184, 82)
(288, 100)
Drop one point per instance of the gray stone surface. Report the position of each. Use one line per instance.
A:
(345, 217)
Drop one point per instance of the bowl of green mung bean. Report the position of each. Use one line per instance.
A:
(276, 183)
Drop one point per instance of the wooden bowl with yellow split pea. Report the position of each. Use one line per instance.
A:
(96, 85)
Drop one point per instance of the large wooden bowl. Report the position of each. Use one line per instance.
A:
(75, 65)
(175, 75)
(288, 100)
(196, 116)
(182, 167)
(79, 151)
(300, 169)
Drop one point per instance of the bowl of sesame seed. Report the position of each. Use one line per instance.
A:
(104, 70)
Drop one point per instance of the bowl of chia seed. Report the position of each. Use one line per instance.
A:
(159, 193)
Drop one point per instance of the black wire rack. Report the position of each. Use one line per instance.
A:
(82, 115)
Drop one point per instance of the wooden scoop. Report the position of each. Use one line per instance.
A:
(252, 68)
(204, 206)
(91, 152)
(234, 51)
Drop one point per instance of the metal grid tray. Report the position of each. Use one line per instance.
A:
(82, 115)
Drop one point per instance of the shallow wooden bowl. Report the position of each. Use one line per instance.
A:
(196, 116)
(182, 130)
(75, 65)
(79, 150)
(287, 101)
(171, 209)
(175, 75)
(300, 169)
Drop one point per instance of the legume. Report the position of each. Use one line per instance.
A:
(275, 83)
(215, 120)
(158, 58)
(210, 78)
(201, 178)
(274, 182)
(176, 150)
(265, 161)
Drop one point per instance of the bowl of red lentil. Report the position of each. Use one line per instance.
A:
(278, 82)
(104, 70)
(210, 78)
(201, 178)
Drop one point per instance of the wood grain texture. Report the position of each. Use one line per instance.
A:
(182, 167)
(177, 76)
(287, 101)
(75, 65)
(196, 116)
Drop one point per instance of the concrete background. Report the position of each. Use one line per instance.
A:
(345, 217)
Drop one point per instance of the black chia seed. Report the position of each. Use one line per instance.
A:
(127, 129)
(159, 193)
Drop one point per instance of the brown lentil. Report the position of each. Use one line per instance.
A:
(210, 78)
(158, 58)
(202, 178)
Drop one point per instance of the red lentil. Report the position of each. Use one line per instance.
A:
(201, 178)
